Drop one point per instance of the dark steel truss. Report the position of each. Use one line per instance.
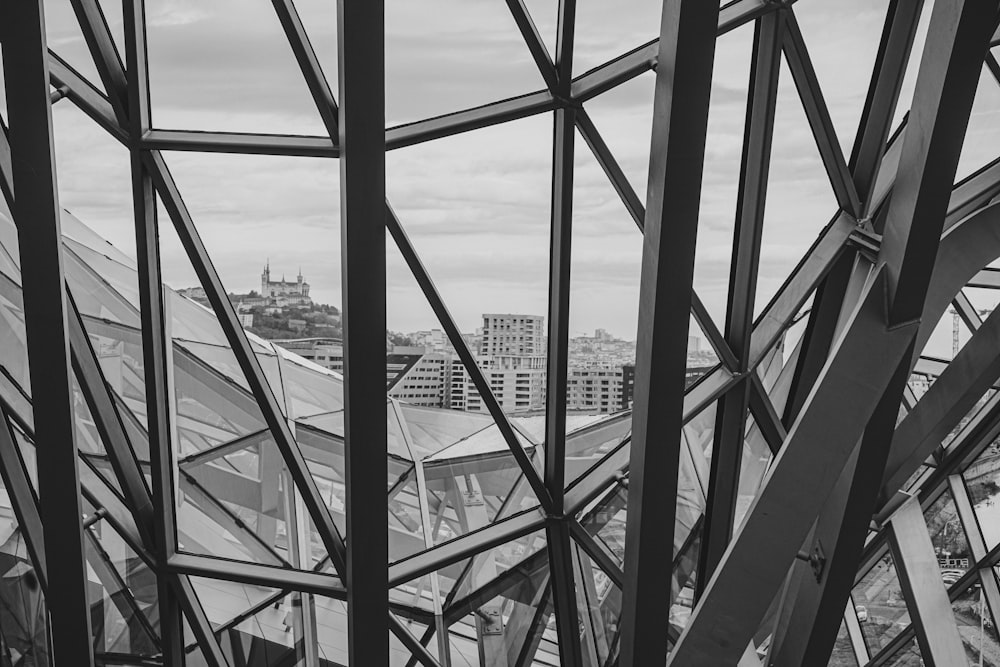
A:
(101, 568)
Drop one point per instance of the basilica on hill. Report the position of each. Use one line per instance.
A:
(283, 292)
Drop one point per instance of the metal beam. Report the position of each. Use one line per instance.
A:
(22, 497)
(942, 103)
(733, 407)
(155, 342)
(926, 170)
(36, 211)
(686, 52)
(949, 399)
(795, 487)
(535, 45)
(630, 65)
(818, 116)
(883, 95)
(926, 599)
(361, 53)
(560, 243)
(309, 64)
(197, 254)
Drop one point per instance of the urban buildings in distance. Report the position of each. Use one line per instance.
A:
(510, 349)
(423, 368)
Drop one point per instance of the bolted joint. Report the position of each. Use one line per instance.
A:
(816, 560)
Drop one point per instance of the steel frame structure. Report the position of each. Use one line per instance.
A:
(523, 575)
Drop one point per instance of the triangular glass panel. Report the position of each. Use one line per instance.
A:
(113, 16)
(842, 46)
(94, 183)
(226, 601)
(119, 622)
(319, 18)
(843, 650)
(545, 15)
(64, 37)
(439, 66)
(252, 83)
(982, 139)
(26, 630)
(624, 117)
(800, 200)
(981, 479)
(948, 537)
(599, 602)
(907, 656)
(605, 31)
(880, 594)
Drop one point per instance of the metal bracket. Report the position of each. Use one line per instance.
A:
(816, 560)
(492, 622)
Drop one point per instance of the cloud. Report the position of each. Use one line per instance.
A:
(476, 205)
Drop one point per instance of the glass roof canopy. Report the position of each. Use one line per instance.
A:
(836, 472)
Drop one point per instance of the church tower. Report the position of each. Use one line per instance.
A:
(265, 278)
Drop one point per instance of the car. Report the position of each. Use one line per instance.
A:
(862, 613)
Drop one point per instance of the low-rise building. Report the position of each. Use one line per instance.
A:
(326, 352)
(418, 376)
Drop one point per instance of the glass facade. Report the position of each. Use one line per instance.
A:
(820, 487)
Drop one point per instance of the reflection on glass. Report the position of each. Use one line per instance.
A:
(843, 650)
(879, 593)
(982, 478)
(977, 627)
(907, 656)
(948, 538)
(598, 608)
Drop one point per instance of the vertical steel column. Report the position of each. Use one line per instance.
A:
(686, 54)
(361, 51)
(556, 531)
(731, 414)
(154, 341)
(926, 597)
(36, 210)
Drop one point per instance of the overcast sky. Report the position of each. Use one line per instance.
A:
(476, 205)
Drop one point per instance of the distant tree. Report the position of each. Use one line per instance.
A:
(397, 338)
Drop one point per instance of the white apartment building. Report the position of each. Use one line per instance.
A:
(517, 388)
(508, 335)
(594, 389)
(326, 352)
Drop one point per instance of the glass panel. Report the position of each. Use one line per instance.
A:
(977, 627)
(843, 650)
(907, 656)
(983, 481)
(948, 538)
(879, 596)
(599, 609)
